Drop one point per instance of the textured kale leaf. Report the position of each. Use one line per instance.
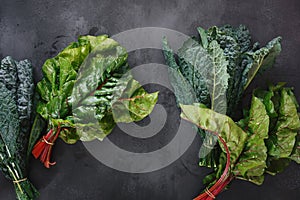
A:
(12, 145)
(183, 87)
(10, 123)
(18, 79)
(245, 61)
(260, 60)
(9, 76)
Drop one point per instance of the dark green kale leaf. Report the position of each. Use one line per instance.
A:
(180, 81)
(12, 157)
(9, 76)
(25, 93)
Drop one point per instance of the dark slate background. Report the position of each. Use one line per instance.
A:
(40, 29)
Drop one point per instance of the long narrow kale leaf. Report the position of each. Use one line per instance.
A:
(16, 90)
(9, 76)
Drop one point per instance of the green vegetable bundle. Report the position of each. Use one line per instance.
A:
(265, 141)
(213, 72)
(219, 65)
(85, 91)
(16, 94)
(217, 68)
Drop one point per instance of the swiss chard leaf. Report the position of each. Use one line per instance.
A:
(103, 87)
(212, 121)
(134, 104)
(282, 140)
(102, 61)
(295, 156)
(276, 166)
(60, 74)
(252, 162)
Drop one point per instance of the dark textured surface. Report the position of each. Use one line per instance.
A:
(39, 29)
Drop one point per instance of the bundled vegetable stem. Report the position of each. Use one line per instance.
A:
(43, 148)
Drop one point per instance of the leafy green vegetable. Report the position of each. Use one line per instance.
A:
(9, 76)
(16, 91)
(217, 123)
(182, 87)
(244, 61)
(281, 105)
(261, 59)
(282, 139)
(228, 50)
(295, 156)
(85, 90)
(267, 143)
(252, 162)
(38, 126)
(212, 67)
(134, 103)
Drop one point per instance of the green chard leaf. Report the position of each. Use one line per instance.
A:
(134, 104)
(220, 124)
(295, 156)
(60, 74)
(281, 106)
(102, 61)
(80, 88)
(104, 93)
(282, 139)
(252, 162)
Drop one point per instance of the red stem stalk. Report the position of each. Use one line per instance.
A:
(222, 182)
(43, 147)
